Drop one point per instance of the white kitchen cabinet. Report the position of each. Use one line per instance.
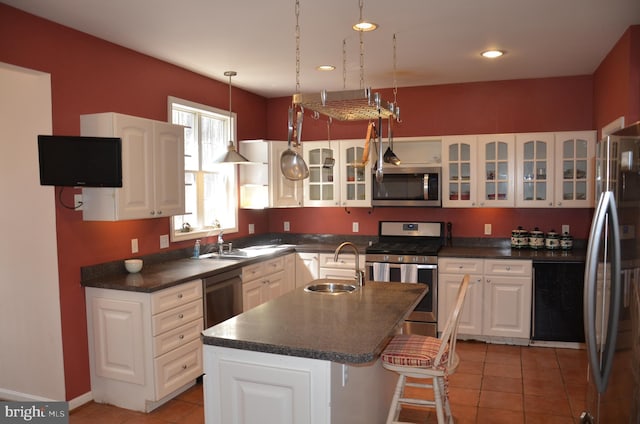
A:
(345, 183)
(307, 268)
(496, 173)
(575, 169)
(152, 169)
(144, 348)
(535, 171)
(343, 268)
(267, 280)
(555, 169)
(322, 188)
(498, 303)
(459, 171)
(262, 184)
(355, 187)
(450, 273)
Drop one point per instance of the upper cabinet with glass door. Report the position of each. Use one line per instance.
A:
(535, 170)
(575, 156)
(322, 188)
(356, 174)
(497, 170)
(459, 173)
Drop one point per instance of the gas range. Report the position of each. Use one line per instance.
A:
(407, 242)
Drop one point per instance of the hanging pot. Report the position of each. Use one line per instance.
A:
(379, 172)
(329, 161)
(292, 164)
(389, 156)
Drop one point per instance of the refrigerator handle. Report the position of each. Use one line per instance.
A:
(600, 372)
(615, 300)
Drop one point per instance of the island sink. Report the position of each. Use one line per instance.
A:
(330, 286)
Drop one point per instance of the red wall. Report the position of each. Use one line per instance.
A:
(90, 75)
(617, 81)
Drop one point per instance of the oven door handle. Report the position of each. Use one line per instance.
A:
(394, 265)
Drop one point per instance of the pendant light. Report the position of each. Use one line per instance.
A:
(231, 155)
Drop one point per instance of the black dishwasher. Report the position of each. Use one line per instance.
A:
(557, 301)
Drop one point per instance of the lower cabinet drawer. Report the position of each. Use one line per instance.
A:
(177, 337)
(176, 317)
(178, 367)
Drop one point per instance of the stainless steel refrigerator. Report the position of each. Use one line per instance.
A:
(612, 284)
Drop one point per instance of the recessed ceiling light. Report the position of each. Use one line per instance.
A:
(365, 26)
(326, 68)
(492, 54)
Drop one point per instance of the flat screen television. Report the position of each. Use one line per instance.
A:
(74, 161)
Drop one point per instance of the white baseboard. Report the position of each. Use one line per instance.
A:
(8, 394)
(12, 395)
(80, 400)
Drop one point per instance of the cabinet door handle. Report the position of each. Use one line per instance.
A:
(159, 212)
(508, 268)
(181, 336)
(488, 280)
(181, 316)
(179, 295)
(152, 212)
(184, 367)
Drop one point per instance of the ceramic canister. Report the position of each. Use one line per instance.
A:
(536, 239)
(566, 242)
(552, 241)
(519, 238)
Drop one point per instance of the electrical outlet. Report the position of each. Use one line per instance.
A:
(355, 227)
(164, 241)
(487, 229)
(566, 228)
(252, 228)
(287, 226)
(77, 202)
(345, 375)
(134, 245)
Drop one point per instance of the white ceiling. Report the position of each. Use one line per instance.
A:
(438, 41)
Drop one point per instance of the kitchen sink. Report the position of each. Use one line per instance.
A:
(330, 286)
(249, 252)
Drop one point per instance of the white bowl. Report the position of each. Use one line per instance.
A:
(133, 265)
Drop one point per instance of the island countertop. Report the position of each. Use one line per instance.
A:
(350, 328)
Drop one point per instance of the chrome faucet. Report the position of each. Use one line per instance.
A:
(220, 242)
(359, 274)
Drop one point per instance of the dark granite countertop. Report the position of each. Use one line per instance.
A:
(346, 328)
(542, 255)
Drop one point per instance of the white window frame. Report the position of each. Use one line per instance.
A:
(206, 231)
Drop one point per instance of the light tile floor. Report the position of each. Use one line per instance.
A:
(494, 384)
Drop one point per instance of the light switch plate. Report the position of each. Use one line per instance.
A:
(487, 229)
(134, 245)
(355, 227)
(566, 229)
(164, 241)
(77, 202)
(252, 228)
(287, 226)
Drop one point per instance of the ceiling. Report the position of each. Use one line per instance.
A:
(437, 41)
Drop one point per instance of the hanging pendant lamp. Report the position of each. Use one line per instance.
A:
(231, 155)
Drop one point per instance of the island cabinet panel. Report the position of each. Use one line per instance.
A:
(498, 303)
(144, 348)
(247, 387)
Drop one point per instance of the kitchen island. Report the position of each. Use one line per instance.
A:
(306, 357)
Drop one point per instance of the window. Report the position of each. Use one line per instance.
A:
(211, 201)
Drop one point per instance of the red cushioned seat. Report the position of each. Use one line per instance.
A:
(412, 350)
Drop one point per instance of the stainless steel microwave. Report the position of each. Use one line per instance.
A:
(407, 186)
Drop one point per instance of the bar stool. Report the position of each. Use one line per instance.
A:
(426, 358)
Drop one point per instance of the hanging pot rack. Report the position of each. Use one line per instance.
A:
(347, 105)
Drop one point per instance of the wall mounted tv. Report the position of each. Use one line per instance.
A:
(73, 161)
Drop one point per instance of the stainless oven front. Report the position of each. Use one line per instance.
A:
(423, 319)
